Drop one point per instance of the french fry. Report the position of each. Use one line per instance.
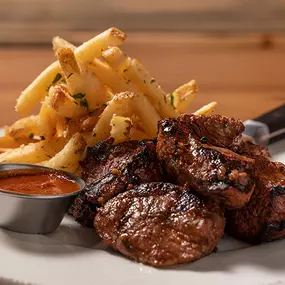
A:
(140, 77)
(125, 104)
(65, 105)
(68, 158)
(33, 152)
(24, 128)
(36, 91)
(116, 58)
(137, 122)
(109, 93)
(88, 137)
(207, 109)
(47, 121)
(120, 105)
(182, 97)
(137, 134)
(133, 72)
(147, 114)
(9, 142)
(83, 124)
(58, 42)
(60, 126)
(120, 128)
(68, 63)
(111, 77)
(2, 150)
(80, 80)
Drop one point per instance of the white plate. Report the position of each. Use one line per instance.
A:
(75, 255)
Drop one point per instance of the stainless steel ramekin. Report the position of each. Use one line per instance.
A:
(34, 214)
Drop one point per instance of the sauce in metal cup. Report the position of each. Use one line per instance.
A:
(33, 211)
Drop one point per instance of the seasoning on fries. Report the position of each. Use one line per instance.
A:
(90, 93)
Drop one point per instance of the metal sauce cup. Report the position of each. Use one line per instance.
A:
(34, 214)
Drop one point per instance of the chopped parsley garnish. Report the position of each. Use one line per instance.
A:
(75, 102)
(43, 138)
(94, 135)
(57, 78)
(84, 103)
(31, 135)
(152, 81)
(172, 99)
(78, 96)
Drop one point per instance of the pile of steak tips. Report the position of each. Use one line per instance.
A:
(168, 201)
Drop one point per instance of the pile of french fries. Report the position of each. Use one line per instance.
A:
(90, 93)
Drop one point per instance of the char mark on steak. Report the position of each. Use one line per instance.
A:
(112, 169)
(263, 218)
(194, 151)
(160, 224)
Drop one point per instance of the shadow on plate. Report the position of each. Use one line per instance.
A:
(77, 235)
(269, 255)
(37, 244)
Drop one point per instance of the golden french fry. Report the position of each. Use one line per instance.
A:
(111, 77)
(120, 105)
(137, 122)
(109, 93)
(65, 105)
(67, 61)
(139, 76)
(147, 114)
(182, 97)
(126, 104)
(88, 137)
(58, 42)
(207, 109)
(83, 124)
(33, 152)
(120, 128)
(61, 126)
(8, 142)
(2, 149)
(134, 73)
(47, 121)
(24, 128)
(137, 134)
(36, 91)
(116, 58)
(68, 158)
(94, 47)
(81, 82)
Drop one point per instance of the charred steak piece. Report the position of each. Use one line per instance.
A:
(112, 169)
(260, 154)
(193, 151)
(160, 224)
(263, 218)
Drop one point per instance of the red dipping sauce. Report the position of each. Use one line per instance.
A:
(41, 183)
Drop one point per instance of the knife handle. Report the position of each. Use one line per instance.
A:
(275, 121)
